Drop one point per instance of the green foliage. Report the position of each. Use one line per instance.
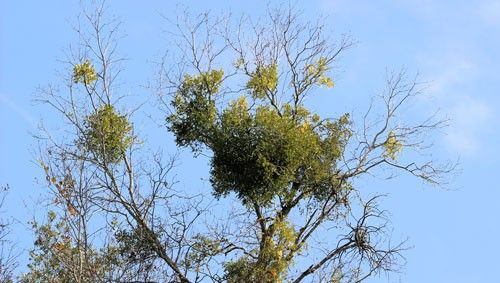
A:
(108, 134)
(195, 112)
(8, 261)
(259, 154)
(392, 146)
(134, 245)
(207, 82)
(239, 63)
(263, 80)
(272, 263)
(242, 269)
(84, 73)
(276, 249)
(56, 258)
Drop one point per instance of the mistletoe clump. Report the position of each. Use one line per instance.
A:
(108, 134)
(259, 152)
(392, 146)
(84, 73)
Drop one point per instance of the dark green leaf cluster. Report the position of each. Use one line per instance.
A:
(260, 153)
(243, 269)
(195, 109)
(134, 246)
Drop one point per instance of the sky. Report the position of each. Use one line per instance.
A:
(453, 45)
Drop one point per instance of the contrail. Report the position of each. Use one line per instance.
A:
(12, 105)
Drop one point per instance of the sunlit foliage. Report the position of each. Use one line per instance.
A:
(316, 73)
(108, 134)
(263, 80)
(57, 258)
(84, 73)
(392, 146)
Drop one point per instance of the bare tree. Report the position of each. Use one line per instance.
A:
(114, 214)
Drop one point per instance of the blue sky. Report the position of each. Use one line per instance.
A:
(454, 45)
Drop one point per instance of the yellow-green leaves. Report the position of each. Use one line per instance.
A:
(237, 113)
(392, 146)
(273, 261)
(326, 81)
(264, 79)
(208, 82)
(84, 73)
(108, 134)
(44, 167)
(316, 73)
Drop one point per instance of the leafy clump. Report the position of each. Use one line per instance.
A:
(261, 151)
(108, 134)
(84, 73)
(196, 111)
(263, 80)
(260, 154)
(135, 245)
(392, 146)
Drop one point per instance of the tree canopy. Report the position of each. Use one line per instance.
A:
(235, 91)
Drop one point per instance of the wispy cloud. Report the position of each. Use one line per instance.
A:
(25, 116)
(458, 86)
(470, 113)
(471, 120)
(449, 73)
